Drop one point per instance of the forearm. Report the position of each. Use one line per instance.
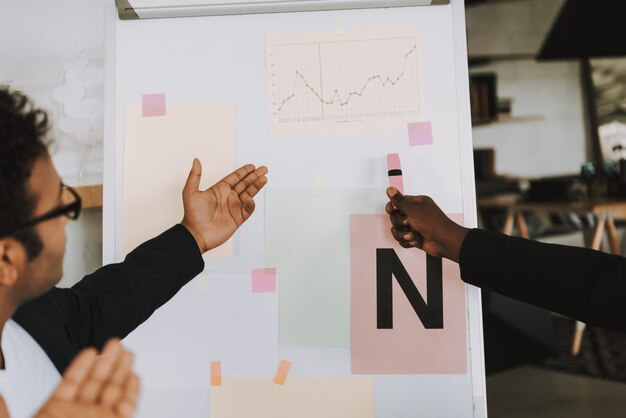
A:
(580, 283)
(117, 298)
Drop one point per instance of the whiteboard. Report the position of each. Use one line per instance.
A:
(223, 60)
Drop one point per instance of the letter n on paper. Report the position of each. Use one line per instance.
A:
(389, 265)
(407, 309)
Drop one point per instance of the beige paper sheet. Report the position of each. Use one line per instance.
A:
(158, 154)
(301, 397)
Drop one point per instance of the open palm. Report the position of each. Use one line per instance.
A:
(213, 215)
(96, 386)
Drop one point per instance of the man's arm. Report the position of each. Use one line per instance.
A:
(581, 283)
(117, 298)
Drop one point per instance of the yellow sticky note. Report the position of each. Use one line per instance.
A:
(216, 373)
(282, 372)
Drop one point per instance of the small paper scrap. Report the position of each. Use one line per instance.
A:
(282, 372)
(263, 280)
(216, 373)
(420, 133)
(153, 104)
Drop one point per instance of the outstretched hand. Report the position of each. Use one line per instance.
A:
(95, 386)
(418, 222)
(213, 215)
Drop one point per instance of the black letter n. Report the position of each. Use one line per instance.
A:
(389, 265)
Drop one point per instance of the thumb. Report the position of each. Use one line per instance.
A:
(396, 197)
(193, 181)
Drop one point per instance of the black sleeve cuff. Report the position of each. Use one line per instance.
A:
(472, 258)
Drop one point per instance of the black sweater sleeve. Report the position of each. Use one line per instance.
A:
(114, 300)
(577, 282)
(117, 298)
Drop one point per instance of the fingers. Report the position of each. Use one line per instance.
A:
(120, 374)
(399, 220)
(193, 180)
(130, 396)
(407, 238)
(248, 205)
(238, 175)
(389, 208)
(402, 236)
(97, 385)
(101, 371)
(253, 182)
(4, 411)
(397, 198)
(248, 187)
(75, 375)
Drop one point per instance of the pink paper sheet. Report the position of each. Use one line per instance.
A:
(408, 348)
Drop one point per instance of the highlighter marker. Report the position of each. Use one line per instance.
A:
(395, 172)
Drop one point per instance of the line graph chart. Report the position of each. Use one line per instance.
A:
(326, 81)
(336, 97)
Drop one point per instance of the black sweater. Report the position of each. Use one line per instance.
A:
(114, 300)
(577, 282)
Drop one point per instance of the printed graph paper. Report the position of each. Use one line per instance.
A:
(320, 85)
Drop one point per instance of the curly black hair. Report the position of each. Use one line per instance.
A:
(23, 130)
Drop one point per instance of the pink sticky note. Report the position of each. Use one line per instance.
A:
(282, 372)
(153, 104)
(420, 133)
(263, 280)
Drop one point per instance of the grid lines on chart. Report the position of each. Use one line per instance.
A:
(353, 79)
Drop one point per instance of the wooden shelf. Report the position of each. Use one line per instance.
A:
(91, 196)
(479, 60)
(514, 119)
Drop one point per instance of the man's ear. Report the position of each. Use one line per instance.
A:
(12, 261)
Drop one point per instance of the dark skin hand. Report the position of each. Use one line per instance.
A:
(213, 215)
(417, 222)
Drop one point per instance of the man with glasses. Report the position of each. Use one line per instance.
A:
(42, 328)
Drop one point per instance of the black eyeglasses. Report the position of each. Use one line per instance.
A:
(70, 207)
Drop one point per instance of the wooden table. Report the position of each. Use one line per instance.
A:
(604, 209)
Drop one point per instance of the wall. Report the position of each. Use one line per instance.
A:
(505, 27)
(554, 140)
(37, 38)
